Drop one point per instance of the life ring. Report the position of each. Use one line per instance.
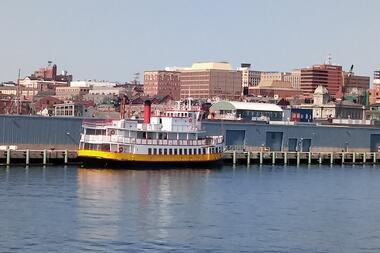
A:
(121, 149)
(112, 132)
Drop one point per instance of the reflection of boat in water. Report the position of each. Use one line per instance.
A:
(171, 138)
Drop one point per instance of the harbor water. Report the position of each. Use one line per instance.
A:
(254, 209)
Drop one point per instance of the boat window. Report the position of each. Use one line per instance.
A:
(150, 135)
(172, 136)
(149, 151)
(144, 135)
(190, 151)
(170, 151)
(165, 151)
(175, 151)
(203, 150)
(180, 151)
(154, 151)
(199, 151)
(160, 151)
(86, 145)
(185, 151)
(104, 147)
(90, 131)
(195, 151)
(140, 135)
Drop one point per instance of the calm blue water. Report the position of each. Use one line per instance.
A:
(268, 209)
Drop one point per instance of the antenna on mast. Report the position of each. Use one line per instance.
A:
(329, 59)
(18, 95)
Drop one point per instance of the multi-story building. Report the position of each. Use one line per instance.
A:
(294, 78)
(374, 92)
(355, 84)
(326, 75)
(71, 92)
(272, 76)
(376, 77)
(211, 80)
(162, 83)
(250, 78)
(49, 73)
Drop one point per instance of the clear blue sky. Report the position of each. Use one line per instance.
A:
(111, 40)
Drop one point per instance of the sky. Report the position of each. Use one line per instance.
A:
(113, 39)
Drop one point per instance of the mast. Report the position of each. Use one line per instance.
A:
(18, 94)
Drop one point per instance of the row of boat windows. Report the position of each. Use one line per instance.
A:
(146, 135)
(158, 151)
(182, 151)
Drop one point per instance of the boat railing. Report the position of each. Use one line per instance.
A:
(97, 123)
(212, 140)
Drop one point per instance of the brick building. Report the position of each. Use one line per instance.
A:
(211, 80)
(326, 75)
(162, 83)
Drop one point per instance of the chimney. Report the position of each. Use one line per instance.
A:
(147, 111)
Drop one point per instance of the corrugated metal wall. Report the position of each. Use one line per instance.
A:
(323, 138)
(54, 130)
(39, 130)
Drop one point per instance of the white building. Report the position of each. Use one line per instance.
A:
(250, 78)
(92, 83)
(294, 78)
(106, 91)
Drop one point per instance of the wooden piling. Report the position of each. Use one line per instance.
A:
(273, 158)
(353, 157)
(8, 156)
(44, 157)
(331, 158)
(298, 158)
(66, 158)
(27, 157)
(309, 158)
(285, 157)
(261, 157)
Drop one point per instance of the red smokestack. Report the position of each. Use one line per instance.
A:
(147, 111)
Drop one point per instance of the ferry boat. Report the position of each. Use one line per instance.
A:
(173, 137)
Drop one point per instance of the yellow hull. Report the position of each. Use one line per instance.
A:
(147, 158)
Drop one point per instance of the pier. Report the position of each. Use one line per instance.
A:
(54, 157)
(37, 157)
(298, 158)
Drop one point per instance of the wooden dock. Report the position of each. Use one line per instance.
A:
(37, 157)
(298, 158)
(54, 157)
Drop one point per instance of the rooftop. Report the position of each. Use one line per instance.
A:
(233, 105)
